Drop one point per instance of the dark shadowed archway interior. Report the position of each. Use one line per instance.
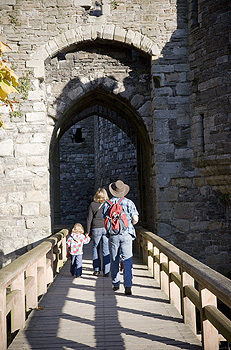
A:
(93, 153)
(100, 133)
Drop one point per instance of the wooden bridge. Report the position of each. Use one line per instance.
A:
(83, 313)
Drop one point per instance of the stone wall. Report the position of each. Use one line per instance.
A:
(77, 172)
(116, 158)
(103, 154)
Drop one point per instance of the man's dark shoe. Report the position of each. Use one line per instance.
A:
(96, 273)
(128, 291)
(115, 288)
(106, 275)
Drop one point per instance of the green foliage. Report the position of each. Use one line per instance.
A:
(8, 82)
(115, 4)
(14, 20)
(17, 114)
(23, 89)
(24, 85)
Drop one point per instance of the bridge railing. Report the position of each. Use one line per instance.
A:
(26, 279)
(189, 285)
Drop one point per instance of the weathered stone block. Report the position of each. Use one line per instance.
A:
(37, 95)
(86, 32)
(20, 173)
(31, 208)
(39, 107)
(36, 117)
(61, 41)
(70, 36)
(130, 36)
(83, 3)
(6, 148)
(40, 196)
(10, 209)
(184, 211)
(53, 46)
(44, 209)
(34, 63)
(120, 34)
(137, 40)
(39, 223)
(30, 149)
(108, 32)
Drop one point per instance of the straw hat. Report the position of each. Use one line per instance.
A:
(119, 189)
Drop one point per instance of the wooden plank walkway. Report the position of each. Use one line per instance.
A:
(85, 313)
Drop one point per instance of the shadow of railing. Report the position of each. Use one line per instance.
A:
(191, 287)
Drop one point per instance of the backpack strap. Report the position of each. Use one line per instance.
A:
(120, 200)
(109, 202)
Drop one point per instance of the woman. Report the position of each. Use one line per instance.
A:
(95, 226)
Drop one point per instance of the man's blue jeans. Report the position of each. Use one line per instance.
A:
(99, 235)
(121, 247)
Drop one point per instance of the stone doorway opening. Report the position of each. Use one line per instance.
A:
(93, 153)
(101, 96)
(91, 150)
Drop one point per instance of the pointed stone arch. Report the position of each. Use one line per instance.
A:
(90, 105)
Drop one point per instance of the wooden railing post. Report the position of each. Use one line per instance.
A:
(150, 258)
(63, 251)
(18, 313)
(3, 337)
(50, 266)
(189, 310)
(156, 257)
(41, 276)
(145, 250)
(174, 290)
(210, 338)
(31, 287)
(164, 277)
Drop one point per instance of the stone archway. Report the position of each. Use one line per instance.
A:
(134, 130)
(129, 105)
(89, 33)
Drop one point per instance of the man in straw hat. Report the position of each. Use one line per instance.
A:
(121, 244)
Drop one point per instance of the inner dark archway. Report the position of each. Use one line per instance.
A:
(109, 145)
(93, 153)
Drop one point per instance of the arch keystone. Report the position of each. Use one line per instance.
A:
(97, 31)
(108, 32)
(87, 32)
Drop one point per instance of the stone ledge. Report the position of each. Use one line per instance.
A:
(217, 172)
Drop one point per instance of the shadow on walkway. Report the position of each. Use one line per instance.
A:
(83, 313)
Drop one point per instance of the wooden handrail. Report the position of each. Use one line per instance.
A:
(27, 278)
(211, 286)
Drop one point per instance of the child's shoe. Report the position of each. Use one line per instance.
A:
(96, 273)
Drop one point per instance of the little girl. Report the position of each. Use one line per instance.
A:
(75, 244)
